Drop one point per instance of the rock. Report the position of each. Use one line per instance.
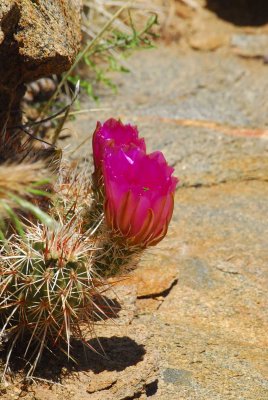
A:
(37, 38)
(183, 11)
(213, 324)
(148, 304)
(125, 370)
(206, 114)
(208, 41)
(151, 278)
(207, 33)
(250, 45)
(120, 301)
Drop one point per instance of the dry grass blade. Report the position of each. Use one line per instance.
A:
(19, 178)
(64, 118)
(22, 185)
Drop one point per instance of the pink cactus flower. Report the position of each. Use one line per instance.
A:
(114, 133)
(139, 191)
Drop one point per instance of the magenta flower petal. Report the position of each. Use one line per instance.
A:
(114, 133)
(139, 192)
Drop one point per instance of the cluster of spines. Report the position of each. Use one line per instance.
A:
(47, 287)
(50, 277)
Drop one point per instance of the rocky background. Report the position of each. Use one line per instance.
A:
(192, 320)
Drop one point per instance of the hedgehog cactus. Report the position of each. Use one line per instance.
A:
(51, 277)
(47, 288)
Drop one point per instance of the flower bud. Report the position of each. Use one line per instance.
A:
(139, 193)
(114, 133)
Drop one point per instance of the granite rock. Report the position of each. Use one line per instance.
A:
(37, 38)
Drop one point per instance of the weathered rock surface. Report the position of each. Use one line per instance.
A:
(207, 113)
(37, 38)
(199, 329)
(248, 45)
(150, 278)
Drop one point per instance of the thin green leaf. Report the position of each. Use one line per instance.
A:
(41, 182)
(11, 213)
(38, 192)
(36, 211)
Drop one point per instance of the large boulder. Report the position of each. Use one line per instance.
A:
(37, 38)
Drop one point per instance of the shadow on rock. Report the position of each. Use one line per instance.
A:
(241, 12)
(113, 354)
(97, 355)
